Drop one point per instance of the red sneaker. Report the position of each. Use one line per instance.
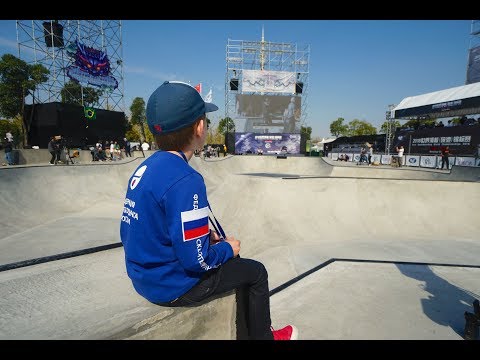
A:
(289, 332)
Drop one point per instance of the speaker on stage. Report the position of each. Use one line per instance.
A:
(299, 87)
(53, 32)
(234, 84)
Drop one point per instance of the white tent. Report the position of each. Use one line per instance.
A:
(457, 101)
(319, 145)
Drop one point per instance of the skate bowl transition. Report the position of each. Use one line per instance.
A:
(365, 253)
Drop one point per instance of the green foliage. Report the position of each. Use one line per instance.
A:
(307, 131)
(384, 127)
(415, 123)
(455, 121)
(135, 133)
(224, 124)
(139, 116)
(71, 93)
(353, 128)
(361, 127)
(138, 111)
(337, 128)
(17, 81)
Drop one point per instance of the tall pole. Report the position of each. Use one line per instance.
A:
(388, 133)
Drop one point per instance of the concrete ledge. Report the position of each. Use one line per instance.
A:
(42, 156)
(90, 297)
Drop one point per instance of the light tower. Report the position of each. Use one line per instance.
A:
(50, 43)
(473, 65)
(246, 55)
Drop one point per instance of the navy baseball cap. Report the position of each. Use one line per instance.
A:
(175, 105)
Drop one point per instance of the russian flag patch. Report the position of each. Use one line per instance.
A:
(194, 223)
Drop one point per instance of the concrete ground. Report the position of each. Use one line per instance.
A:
(352, 252)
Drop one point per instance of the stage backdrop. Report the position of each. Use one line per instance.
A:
(69, 121)
(270, 144)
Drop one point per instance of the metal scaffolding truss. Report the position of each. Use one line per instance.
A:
(390, 130)
(102, 35)
(475, 34)
(265, 55)
(474, 44)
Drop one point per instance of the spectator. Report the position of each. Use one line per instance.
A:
(112, 150)
(55, 150)
(9, 136)
(118, 151)
(101, 153)
(8, 148)
(289, 114)
(127, 148)
(182, 262)
(370, 153)
(445, 154)
(266, 111)
(400, 150)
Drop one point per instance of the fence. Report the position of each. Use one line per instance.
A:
(425, 161)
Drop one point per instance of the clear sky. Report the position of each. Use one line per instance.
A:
(356, 68)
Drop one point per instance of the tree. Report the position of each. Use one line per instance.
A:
(337, 128)
(226, 124)
(307, 131)
(384, 127)
(138, 115)
(72, 93)
(416, 123)
(17, 81)
(361, 127)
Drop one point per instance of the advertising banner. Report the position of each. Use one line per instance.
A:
(462, 140)
(267, 144)
(268, 81)
(412, 160)
(428, 161)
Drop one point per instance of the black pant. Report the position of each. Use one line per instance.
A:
(54, 156)
(445, 161)
(250, 279)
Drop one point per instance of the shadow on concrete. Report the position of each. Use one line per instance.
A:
(446, 303)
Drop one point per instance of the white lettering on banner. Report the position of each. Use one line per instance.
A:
(450, 140)
(447, 104)
(200, 258)
(268, 137)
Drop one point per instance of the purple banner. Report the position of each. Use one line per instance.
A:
(267, 144)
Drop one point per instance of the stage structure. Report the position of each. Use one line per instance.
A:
(87, 52)
(266, 86)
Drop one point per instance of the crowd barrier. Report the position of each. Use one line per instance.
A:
(425, 161)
